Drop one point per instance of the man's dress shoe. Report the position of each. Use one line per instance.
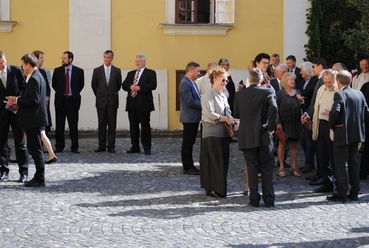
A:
(306, 169)
(50, 161)
(147, 152)
(4, 176)
(337, 198)
(192, 171)
(34, 183)
(22, 178)
(215, 194)
(100, 149)
(12, 160)
(133, 151)
(312, 177)
(325, 188)
(75, 150)
(353, 197)
(317, 182)
(112, 150)
(58, 150)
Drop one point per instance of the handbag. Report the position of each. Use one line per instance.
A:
(229, 129)
(281, 135)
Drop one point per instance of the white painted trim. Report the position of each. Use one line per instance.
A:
(6, 26)
(195, 29)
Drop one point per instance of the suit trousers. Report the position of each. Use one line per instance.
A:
(307, 145)
(364, 163)
(69, 112)
(136, 117)
(107, 119)
(35, 148)
(347, 162)
(21, 151)
(264, 157)
(188, 140)
(325, 153)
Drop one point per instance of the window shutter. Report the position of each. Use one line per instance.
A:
(224, 11)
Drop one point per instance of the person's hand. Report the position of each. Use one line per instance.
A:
(305, 119)
(12, 99)
(279, 126)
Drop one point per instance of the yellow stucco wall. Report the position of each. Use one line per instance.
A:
(42, 25)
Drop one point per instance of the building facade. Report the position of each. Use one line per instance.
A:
(170, 33)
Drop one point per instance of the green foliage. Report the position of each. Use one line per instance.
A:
(329, 25)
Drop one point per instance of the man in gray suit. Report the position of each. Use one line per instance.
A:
(347, 120)
(257, 110)
(190, 115)
(106, 82)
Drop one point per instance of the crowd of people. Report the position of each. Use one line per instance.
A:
(280, 106)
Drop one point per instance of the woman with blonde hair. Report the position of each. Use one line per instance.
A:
(289, 113)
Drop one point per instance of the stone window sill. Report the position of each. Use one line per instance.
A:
(196, 29)
(7, 26)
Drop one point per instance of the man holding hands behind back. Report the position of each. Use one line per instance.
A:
(106, 82)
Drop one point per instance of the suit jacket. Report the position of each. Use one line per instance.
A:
(257, 109)
(347, 116)
(77, 83)
(274, 83)
(144, 97)
(298, 74)
(32, 103)
(190, 103)
(107, 94)
(15, 85)
(310, 109)
(308, 91)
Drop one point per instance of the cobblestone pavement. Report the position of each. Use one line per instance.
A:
(133, 200)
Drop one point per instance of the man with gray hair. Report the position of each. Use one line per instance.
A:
(347, 120)
(257, 109)
(279, 71)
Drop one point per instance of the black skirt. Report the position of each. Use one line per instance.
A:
(214, 162)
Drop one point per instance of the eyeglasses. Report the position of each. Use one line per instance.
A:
(225, 80)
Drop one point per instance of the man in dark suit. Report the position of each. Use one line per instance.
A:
(32, 116)
(257, 109)
(67, 81)
(291, 64)
(12, 83)
(106, 82)
(279, 71)
(139, 84)
(190, 116)
(347, 120)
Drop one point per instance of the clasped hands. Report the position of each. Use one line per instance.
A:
(135, 88)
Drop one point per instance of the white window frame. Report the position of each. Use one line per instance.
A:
(224, 11)
(211, 28)
(5, 23)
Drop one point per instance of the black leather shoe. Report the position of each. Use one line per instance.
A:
(215, 194)
(100, 149)
(75, 150)
(147, 152)
(316, 182)
(58, 150)
(12, 160)
(4, 176)
(192, 171)
(269, 204)
(22, 178)
(50, 161)
(112, 150)
(34, 183)
(337, 198)
(133, 151)
(353, 197)
(325, 188)
(312, 177)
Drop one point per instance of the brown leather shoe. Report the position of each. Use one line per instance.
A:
(306, 169)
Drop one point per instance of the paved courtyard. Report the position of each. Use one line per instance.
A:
(132, 200)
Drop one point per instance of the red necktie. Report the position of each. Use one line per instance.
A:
(66, 90)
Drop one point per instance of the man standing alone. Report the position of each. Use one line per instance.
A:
(347, 120)
(68, 81)
(106, 82)
(139, 84)
(32, 116)
(190, 115)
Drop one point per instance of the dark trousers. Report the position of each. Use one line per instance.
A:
(20, 148)
(137, 117)
(347, 162)
(68, 112)
(325, 153)
(364, 163)
(261, 156)
(188, 140)
(35, 148)
(107, 121)
(308, 147)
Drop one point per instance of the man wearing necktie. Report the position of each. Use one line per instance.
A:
(68, 81)
(139, 84)
(106, 82)
(190, 116)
